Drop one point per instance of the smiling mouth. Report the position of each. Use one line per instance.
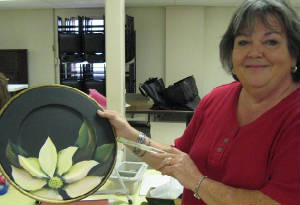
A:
(256, 66)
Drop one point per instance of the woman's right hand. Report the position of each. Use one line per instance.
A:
(119, 122)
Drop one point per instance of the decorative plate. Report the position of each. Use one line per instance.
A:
(53, 146)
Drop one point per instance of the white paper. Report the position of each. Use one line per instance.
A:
(169, 190)
(152, 181)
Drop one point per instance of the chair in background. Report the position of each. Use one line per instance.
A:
(94, 47)
(70, 47)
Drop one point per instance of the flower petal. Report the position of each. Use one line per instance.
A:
(64, 159)
(48, 194)
(48, 157)
(79, 170)
(32, 166)
(26, 181)
(82, 186)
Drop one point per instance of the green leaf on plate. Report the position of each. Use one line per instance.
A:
(102, 155)
(86, 142)
(103, 152)
(12, 151)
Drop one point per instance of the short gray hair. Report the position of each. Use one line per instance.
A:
(245, 16)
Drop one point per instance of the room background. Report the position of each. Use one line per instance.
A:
(171, 43)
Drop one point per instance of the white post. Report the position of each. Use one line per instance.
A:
(115, 54)
(115, 60)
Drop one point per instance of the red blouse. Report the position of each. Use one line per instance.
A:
(262, 155)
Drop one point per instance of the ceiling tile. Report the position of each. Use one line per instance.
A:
(27, 4)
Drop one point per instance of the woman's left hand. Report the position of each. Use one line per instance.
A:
(180, 166)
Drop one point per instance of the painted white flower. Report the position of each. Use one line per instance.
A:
(52, 171)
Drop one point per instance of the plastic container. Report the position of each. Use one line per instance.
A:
(131, 173)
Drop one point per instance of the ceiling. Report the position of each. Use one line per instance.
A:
(38, 4)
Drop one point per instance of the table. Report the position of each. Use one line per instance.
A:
(142, 105)
(15, 88)
(15, 197)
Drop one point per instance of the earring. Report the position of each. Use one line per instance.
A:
(294, 70)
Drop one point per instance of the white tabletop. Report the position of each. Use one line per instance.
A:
(16, 87)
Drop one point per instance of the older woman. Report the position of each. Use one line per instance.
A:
(4, 95)
(243, 143)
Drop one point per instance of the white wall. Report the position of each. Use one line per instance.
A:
(32, 30)
(150, 42)
(212, 73)
(91, 12)
(184, 43)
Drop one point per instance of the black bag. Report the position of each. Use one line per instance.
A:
(182, 94)
(153, 88)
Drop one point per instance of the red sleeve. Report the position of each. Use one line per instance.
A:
(284, 184)
(185, 142)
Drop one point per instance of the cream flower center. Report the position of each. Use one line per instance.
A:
(55, 183)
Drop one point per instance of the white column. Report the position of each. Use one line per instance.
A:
(115, 60)
(115, 54)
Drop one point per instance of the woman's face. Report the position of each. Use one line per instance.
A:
(261, 58)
